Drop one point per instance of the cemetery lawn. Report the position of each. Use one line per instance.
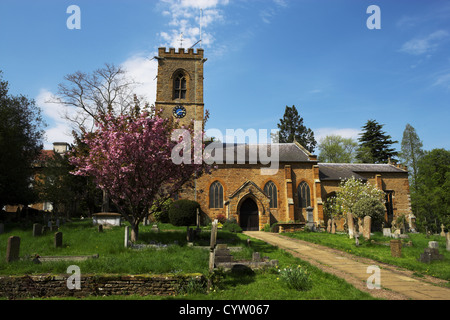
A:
(379, 250)
(82, 238)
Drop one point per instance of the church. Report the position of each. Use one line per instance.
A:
(239, 190)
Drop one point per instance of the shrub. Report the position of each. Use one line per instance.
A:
(296, 278)
(221, 218)
(183, 212)
(231, 225)
(373, 208)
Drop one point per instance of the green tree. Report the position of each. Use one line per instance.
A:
(291, 128)
(21, 135)
(411, 152)
(375, 144)
(431, 200)
(336, 149)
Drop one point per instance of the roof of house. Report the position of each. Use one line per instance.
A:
(339, 171)
(259, 153)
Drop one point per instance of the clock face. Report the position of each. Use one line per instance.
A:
(179, 112)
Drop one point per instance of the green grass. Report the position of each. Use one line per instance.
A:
(81, 238)
(382, 253)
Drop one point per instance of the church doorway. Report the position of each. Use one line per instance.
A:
(249, 216)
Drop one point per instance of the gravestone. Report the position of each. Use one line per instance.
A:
(329, 226)
(12, 249)
(433, 244)
(333, 226)
(58, 239)
(222, 254)
(429, 255)
(387, 232)
(212, 244)
(37, 230)
(310, 218)
(57, 223)
(396, 248)
(155, 228)
(100, 228)
(2, 228)
(127, 236)
(357, 239)
(442, 230)
(351, 225)
(367, 227)
(448, 241)
(256, 256)
(190, 235)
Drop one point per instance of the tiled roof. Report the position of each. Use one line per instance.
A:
(262, 153)
(339, 171)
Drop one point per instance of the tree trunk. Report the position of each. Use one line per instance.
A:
(134, 232)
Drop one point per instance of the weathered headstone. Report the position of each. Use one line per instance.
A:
(333, 226)
(100, 228)
(310, 218)
(58, 239)
(329, 226)
(127, 236)
(367, 227)
(357, 239)
(155, 228)
(190, 235)
(350, 225)
(222, 254)
(212, 244)
(448, 241)
(37, 230)
(396, 248)
(13, 249)
(429, 255)
(433, 244)
(387, 232)
(256, 256)
(442, 230)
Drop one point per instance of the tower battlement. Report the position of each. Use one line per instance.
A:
(180, 53)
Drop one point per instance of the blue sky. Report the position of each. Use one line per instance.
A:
(262, 55)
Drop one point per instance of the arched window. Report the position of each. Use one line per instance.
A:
(304, 195)
(179, 91)
(271, 190)
(216, 195)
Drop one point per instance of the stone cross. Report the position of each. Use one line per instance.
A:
(442, 230)
(12, 249)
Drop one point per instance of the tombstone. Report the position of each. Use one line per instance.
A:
(442, 230)
(357, 239)
(448, 241)
(12, 249)
(433, 244)
(155, 228)
(222, 254)
(58, 239)
(367, 227)
(2, 228)
(37, 230)
(57, 223)
(396, 248)
(333, 227)
(127, 236)
(310, 218)
(351, 225)
(329, 226)
(256, 256)
(387, 232)
(100, 228)
(212, 244)
(197, 224)
(190, 235)
(430, 254)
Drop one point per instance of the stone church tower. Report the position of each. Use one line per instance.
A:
(179, 90)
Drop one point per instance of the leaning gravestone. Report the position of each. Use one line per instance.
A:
(12, 249)
(58, 239)
(351, 225)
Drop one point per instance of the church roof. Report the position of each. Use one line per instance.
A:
(339, 171)
(262, 153)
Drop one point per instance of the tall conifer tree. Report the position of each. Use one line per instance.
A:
(375, 144)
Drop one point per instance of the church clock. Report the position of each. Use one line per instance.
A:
(179, 112)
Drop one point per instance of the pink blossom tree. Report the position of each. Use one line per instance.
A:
(132, 159)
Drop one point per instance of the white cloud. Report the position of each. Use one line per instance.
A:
(59, 129)
(321, 133)
(426, 44)
(443, 81)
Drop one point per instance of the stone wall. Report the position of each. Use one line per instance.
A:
(26, 286)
